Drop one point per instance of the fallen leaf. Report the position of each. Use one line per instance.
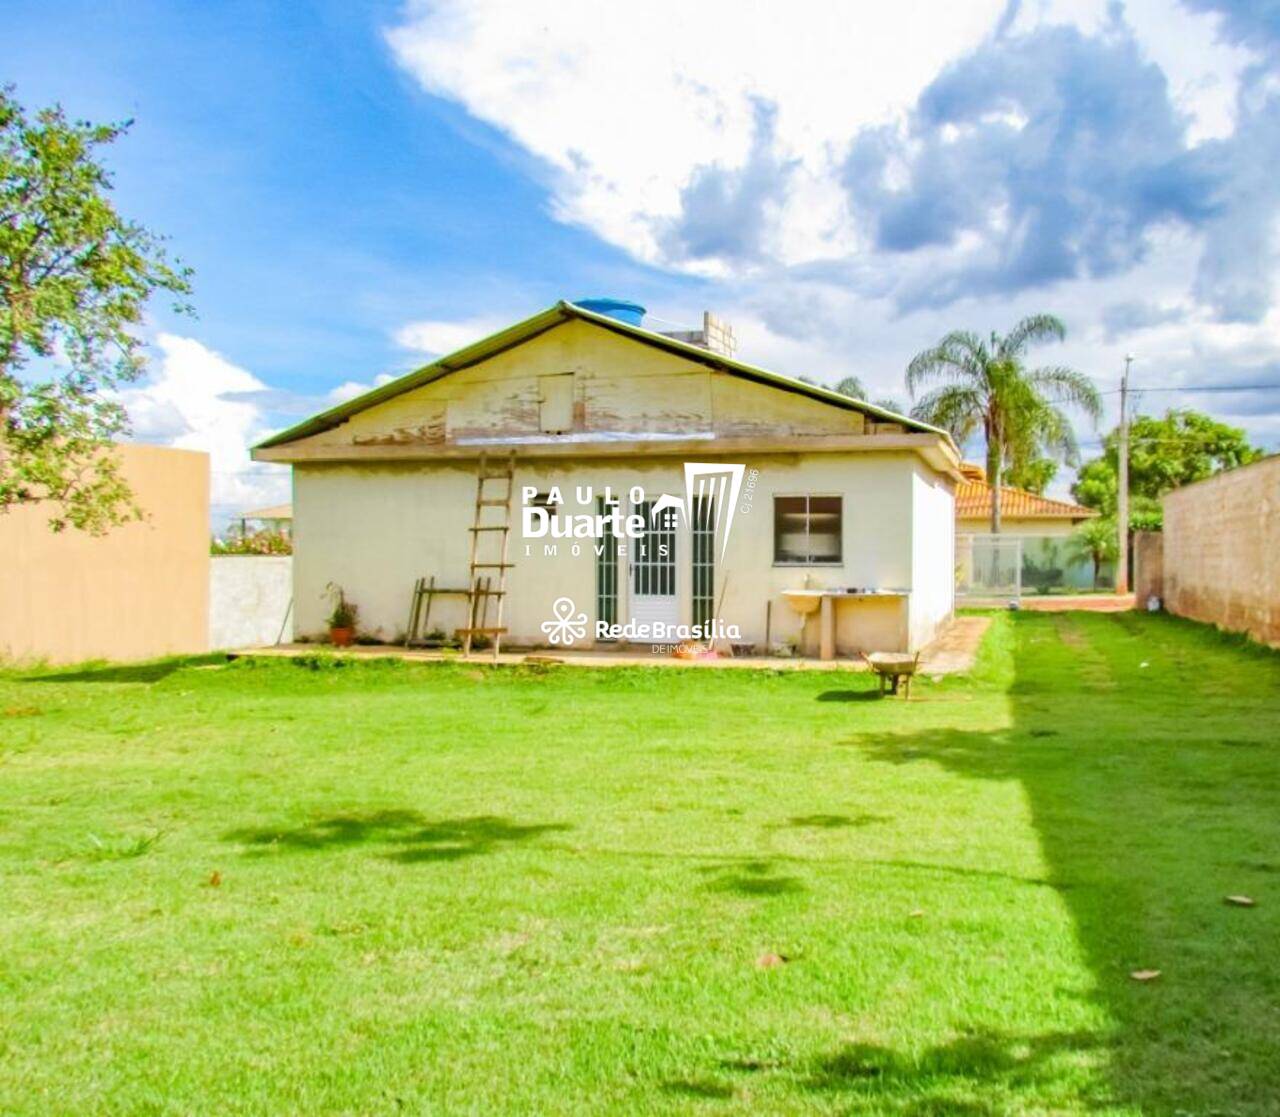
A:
(215, 879)
(917, 914)
(1144, 664)
(770, 961)
(1145, 975)
(1242, 901)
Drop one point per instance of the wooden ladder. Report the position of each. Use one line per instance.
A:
(482, 584)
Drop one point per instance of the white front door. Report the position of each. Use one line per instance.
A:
(653, 569)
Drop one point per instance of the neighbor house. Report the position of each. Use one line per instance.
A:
(1021, 512)
(603, 417)
(1037, 526)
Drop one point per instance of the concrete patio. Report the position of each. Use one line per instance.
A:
(952, 653)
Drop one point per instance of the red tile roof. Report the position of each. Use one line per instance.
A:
(973, 502)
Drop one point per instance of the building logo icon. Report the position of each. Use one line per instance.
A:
(706, 481)
(565, 628)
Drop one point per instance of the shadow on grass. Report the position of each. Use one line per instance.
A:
(976, 1073)
(706, 1088)
(150, 672)
(850, 696)
(833, 821)
(1146, 749)
(751, 878)
(400, 835)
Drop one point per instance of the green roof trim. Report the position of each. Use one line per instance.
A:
(562, 312)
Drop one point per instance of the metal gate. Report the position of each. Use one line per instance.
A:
(988, 566)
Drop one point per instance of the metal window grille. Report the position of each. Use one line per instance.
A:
(606, 570)
(653, 573)
(704, 558)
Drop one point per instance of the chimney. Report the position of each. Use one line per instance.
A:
(716, 335)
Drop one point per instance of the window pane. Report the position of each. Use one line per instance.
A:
(790, 529)
(824, 528)
(807, 529)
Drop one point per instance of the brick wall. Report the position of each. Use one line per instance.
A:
(1222, 550)
(1148, 566)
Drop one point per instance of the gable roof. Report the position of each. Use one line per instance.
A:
(973, 501)
(556, 315)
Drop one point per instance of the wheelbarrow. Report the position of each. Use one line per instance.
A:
(893, 667)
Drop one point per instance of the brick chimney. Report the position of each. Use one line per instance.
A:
(716, 335)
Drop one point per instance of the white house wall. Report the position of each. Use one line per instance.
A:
(375, 528)
(933, 546)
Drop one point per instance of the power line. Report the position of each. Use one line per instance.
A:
(1215, 388)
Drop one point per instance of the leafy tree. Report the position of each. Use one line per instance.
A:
(1033, 474)
(75, 278)
(1164, 452)
(1094, 541)
(987, 387)
(851, 386)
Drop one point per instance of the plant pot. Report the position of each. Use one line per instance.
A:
(342, 637)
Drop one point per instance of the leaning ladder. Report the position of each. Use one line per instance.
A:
(482, 583)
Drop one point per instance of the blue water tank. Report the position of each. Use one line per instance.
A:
(623, 311)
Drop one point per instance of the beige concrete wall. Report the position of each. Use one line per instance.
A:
(1032, 526)
(141, 590)
(374, 529)
(1222, 550)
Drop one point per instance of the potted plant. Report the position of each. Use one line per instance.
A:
(342, 618)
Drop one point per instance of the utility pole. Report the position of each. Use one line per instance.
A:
(1122, 484)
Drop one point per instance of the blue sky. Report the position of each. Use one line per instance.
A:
(358, 186)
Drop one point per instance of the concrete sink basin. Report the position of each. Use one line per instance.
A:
(804, 602)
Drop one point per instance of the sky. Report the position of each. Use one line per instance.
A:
(360, 187)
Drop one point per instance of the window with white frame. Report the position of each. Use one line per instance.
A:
(808, 530)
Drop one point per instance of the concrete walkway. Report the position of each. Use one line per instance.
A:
(952, 652)
(1056, 603)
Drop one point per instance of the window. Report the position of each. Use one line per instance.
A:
(807, 530)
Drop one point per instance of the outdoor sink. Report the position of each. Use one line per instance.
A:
(804, 602)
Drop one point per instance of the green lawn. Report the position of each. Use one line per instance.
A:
(273, 888)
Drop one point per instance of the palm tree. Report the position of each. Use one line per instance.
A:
(854, 388)
(851, 386)
(1094, 541)
(988, 387)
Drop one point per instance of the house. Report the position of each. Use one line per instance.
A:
(659, 483)
(277, 518)
(1021, 512)
(1032, 542)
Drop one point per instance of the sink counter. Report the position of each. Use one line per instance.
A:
(806, 601)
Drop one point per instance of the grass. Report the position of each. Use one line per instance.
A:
(268, 888)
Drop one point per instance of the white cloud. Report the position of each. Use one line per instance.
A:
(435, 337)
(634, 118)
(349, 389)
(623, 109)
(194, 399)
